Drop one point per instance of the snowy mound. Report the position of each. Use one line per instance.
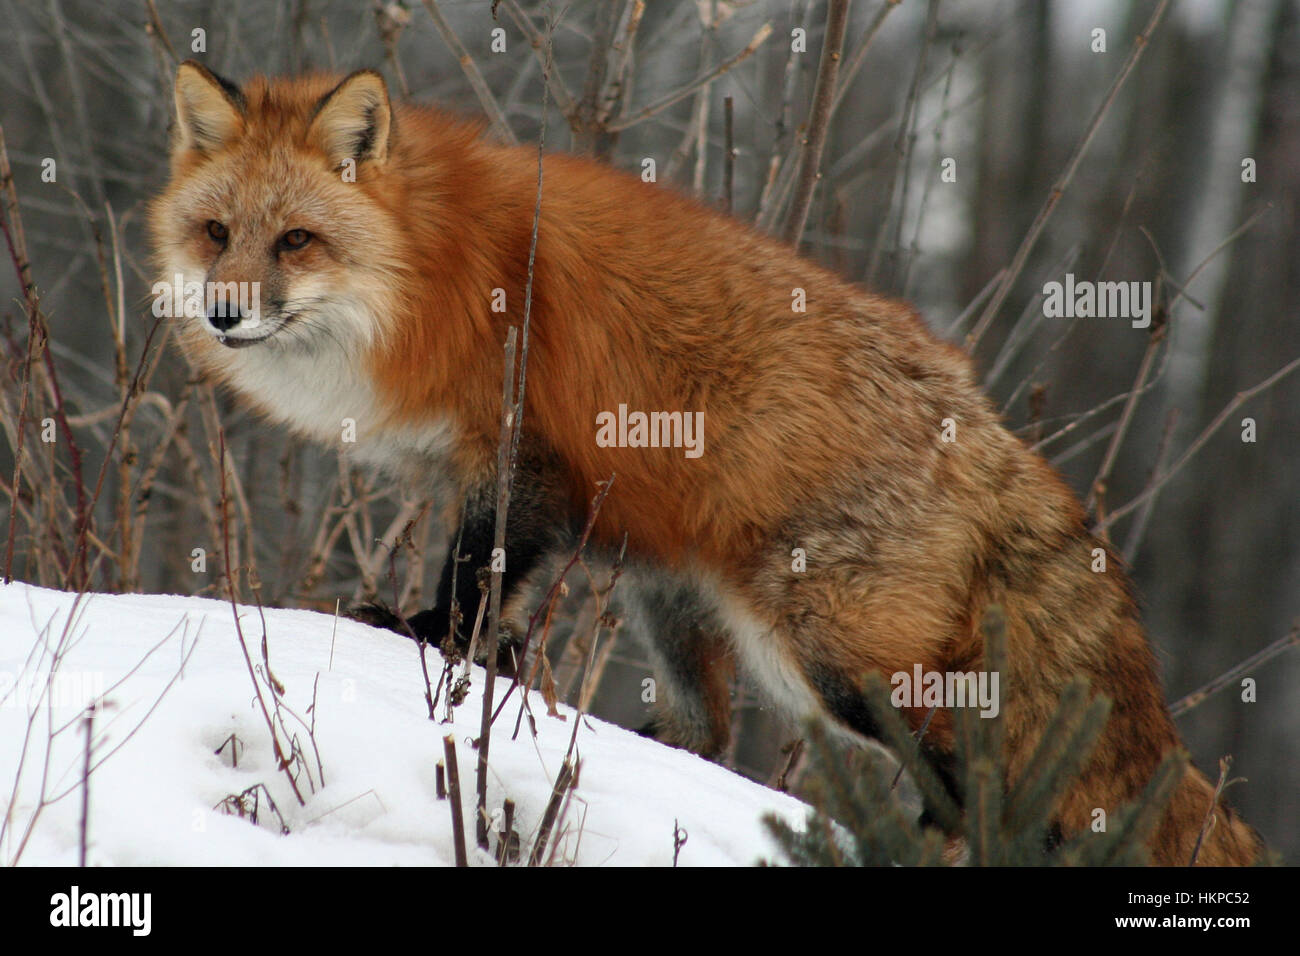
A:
(177, 688)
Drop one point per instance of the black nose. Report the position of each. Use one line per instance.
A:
(225, 316)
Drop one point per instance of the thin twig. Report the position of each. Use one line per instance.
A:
(562, 781)
(35, 334)
(1211, 817)
(568, 774)
(1237, 401)
(539, 42)
(391, 19)
(1022, 332)
(859, 55)
(1063, 181)
(975, 303)
(782, 780)
(555, 587)
(903, 146)
(509, 411)
(913, 251)
(1201, 694)
(282, 759)
(1159, 326)
(508, 829)
(85, 785)
(1138, 530)
(453, 794)
(590, 136)
(476, 81)
(772, 195)
(156, 30)
(828, 68)
(512, 415)
(729, 156)
(616, 88)
(708, 77)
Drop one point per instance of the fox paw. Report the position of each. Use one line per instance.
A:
(432, 627)
(423, 626)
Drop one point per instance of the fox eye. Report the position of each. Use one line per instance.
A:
(295, 239)
(217, 230)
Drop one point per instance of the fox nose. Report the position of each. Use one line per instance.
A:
(225, 317)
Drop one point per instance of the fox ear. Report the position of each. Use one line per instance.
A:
(209, 109)
(354, 120)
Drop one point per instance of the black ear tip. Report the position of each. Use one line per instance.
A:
(348, 81)
(231, 90)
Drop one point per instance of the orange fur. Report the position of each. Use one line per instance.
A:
(822, 428)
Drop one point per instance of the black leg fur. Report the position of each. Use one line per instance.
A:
(535, 525)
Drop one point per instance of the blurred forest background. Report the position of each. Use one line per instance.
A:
(120, 480)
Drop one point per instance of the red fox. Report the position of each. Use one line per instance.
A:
(802, 515)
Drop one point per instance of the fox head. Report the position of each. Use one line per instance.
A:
(270, 234)
(329, 255)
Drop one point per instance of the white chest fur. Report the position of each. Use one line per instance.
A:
(323, 395)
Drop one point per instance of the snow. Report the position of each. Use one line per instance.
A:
(177, 687)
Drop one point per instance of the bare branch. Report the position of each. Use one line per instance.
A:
(509, 425)
(476, 81)
(541, 49)
(1199, 696)
(903, 144)
(1138, 529)
(156, 30)
(1159, 327)
(453, 793)
(837, 22)
(1063, 181)
(729, 156)
(1240, 399)
(860, 52)
(620, 60)
(680, 94)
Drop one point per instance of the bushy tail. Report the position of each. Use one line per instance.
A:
(1103, 640)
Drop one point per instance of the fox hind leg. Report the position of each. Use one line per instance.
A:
(693, 662)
